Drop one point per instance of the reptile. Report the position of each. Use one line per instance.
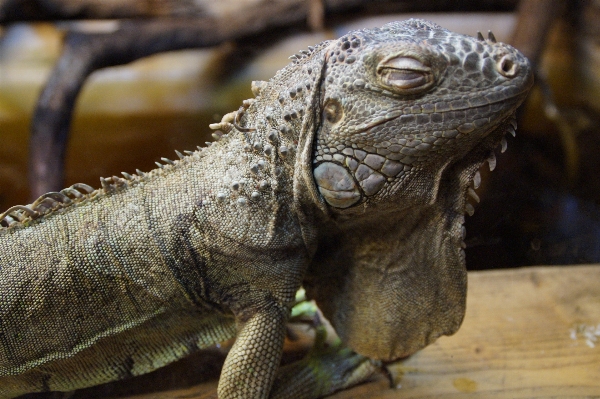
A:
(349, 174)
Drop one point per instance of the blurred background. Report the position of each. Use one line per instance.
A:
(90, 88)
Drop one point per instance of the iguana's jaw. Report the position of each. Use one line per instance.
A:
(427, 182)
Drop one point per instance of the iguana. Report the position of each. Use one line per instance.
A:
(348, 173)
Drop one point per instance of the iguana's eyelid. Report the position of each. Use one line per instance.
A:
(404, 63)
(404, 79)
(405, 74)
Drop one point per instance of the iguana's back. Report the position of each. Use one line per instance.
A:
(136, 275)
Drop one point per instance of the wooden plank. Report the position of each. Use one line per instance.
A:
(528, 333)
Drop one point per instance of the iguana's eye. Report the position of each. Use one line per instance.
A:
(406, 75)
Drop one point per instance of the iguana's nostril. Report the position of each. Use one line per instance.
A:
(507, 66)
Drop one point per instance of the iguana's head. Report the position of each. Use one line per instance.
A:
(404, 103)
(409, 114)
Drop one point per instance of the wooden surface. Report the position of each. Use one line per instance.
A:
(528, 333)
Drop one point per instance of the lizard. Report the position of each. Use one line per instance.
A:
(348, 173)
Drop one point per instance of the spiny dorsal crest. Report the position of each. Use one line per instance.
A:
(45, 204)
(302, 54)
(49, 203)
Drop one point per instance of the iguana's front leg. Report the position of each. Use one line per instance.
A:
(250, 367)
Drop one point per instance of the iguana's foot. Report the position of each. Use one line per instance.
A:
(326, 369)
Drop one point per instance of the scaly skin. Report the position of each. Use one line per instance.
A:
(347, 173)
